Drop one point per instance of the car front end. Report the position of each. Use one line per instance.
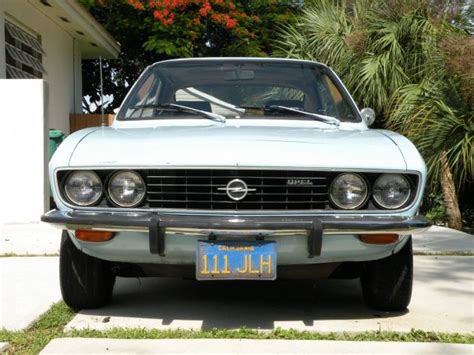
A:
(246, 198)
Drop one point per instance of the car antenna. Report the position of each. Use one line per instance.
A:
(101, 93)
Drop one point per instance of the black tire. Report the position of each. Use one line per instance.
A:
(86, 282)
(387, 283)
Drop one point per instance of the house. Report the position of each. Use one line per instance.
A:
(42, 44)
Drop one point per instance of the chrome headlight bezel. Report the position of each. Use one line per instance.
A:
(113, 198)
(93, 176)
(381, 204)
(362, 201)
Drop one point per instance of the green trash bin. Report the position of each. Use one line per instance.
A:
(55, 139)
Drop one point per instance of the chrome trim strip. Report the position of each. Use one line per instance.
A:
(238, 223)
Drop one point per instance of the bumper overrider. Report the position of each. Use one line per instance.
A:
(156, 225)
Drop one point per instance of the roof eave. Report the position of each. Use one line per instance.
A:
(90, 25)
(72, 17)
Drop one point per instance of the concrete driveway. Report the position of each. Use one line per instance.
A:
(442, 301)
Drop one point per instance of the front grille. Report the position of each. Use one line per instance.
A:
(203, 189)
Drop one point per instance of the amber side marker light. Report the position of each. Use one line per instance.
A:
(93, 236)
(379, 238)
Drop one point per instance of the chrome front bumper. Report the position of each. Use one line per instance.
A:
(157, 225)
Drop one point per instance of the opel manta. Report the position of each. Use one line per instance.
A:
(225, 169)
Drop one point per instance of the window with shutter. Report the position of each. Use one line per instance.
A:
(23, 52)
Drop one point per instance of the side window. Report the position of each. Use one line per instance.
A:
(146, 95)
(332, 102)
(23, 53)
(327, 103)
(147, 92)
(333, 90)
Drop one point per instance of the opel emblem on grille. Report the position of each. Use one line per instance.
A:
(236, 189)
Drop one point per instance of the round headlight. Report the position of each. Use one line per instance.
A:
(83, 188)
(391, 191)
(348, 191)
(126, 188)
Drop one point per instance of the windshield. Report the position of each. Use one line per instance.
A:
(237, 89)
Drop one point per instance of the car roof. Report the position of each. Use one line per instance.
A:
(240, 59)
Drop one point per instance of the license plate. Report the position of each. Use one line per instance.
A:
(234, 260)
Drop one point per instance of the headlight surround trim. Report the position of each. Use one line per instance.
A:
(75, 201)
(113, 198)
(360, 203)
(377, 199)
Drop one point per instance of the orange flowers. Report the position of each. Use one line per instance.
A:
(136, 4)
(222, 12)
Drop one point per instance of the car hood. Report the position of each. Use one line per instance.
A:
(238, 145)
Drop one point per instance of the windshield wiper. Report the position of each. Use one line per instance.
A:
(317, 116)
(322, 118)
(182, 108)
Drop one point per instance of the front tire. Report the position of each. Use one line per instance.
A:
(86, 282)
(387, 283)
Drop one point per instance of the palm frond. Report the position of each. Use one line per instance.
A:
(388, 54)
(421, 113)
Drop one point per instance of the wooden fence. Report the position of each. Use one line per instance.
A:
(80, 121)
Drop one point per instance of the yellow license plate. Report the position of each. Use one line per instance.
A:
(236, 260)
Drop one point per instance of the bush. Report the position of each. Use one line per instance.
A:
(433, 208)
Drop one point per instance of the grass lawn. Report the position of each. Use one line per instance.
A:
(47, 327)
(52, 323)
(15, 255)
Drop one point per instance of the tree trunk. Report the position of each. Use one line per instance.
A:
(449, 195)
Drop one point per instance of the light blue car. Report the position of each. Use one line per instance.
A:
(238, 169)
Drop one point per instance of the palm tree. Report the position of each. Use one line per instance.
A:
(397, 57)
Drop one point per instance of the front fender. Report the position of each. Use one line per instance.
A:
(62, 156)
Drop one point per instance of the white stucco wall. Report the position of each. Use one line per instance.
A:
(23, 151)
(30, 107)
(62, 60)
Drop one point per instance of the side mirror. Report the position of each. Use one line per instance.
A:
(368, 115)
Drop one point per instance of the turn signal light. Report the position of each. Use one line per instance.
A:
(379, 238)
(93, 236)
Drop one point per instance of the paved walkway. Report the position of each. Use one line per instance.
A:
(247, 346)
(443, 240)
(29, 238)
(28, 288)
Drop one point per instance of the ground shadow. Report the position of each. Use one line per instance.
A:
(256, 305)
